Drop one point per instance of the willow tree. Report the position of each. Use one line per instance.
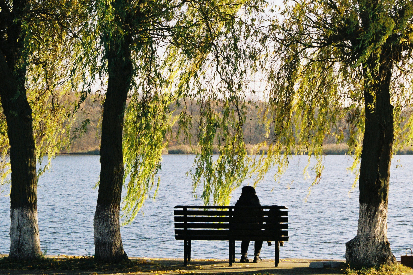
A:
(351, 60)
(32, 55)
(131, 34)
(136, 37)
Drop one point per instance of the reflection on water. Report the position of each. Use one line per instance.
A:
(320, 223)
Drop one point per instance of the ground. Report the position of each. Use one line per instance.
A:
(86, 265)
(63, 264)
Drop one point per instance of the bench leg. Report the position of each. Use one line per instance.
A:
(187, 252)
(231, 252)
(277, 253)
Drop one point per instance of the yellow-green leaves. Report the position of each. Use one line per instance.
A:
(221, 123)
(49, 51)
(211, 59)
(330, 55)
(4, 151)
(147, 121)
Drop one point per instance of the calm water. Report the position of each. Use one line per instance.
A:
(320, 223)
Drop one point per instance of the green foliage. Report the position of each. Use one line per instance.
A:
(394, 269)
(210, 60)
(51, 32)
(4, 149)
(147, 121)
(324, 56)
(222, 175)
(53, 75)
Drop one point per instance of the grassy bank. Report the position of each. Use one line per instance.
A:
(86, 265)
(328, 149)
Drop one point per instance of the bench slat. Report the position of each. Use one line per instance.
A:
(226, 235)
(224, 226)
(202, 225)
(206, 233)
(266, 220)
(276, 219)
(223, 212)
(229, 207)
(225, 238)
(202, 219)
(189, 212)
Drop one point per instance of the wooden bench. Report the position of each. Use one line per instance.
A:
(218, 223)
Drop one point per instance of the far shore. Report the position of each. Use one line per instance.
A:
(328, 149)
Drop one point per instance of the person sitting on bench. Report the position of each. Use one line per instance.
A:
(248, 198)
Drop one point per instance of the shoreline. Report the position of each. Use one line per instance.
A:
(252, 149)
(65, 264)
(142, 265)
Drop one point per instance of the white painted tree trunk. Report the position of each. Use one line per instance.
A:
(371, 237)
(108, 241)
(24, 234)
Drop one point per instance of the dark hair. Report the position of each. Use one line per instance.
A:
(248, 190)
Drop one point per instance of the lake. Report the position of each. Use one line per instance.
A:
(320, 221)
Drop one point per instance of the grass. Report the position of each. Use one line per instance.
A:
(88, 265)
(182, 150)
(328, 149)
(394, 269)
(50, 265)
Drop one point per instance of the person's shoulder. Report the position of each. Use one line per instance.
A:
(240, 202)
(256, 201)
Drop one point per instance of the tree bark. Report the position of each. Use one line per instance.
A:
(371, 247)
(24, 231)
(108, 241)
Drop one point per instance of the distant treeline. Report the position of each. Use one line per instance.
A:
(86, 131)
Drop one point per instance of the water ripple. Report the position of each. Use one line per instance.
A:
(321, 219)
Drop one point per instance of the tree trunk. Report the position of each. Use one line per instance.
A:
(108, 241)
(24, 231)
(371, 247)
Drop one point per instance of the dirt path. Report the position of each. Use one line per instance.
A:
(286, 266)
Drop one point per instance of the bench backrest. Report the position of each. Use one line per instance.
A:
(219, 223)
